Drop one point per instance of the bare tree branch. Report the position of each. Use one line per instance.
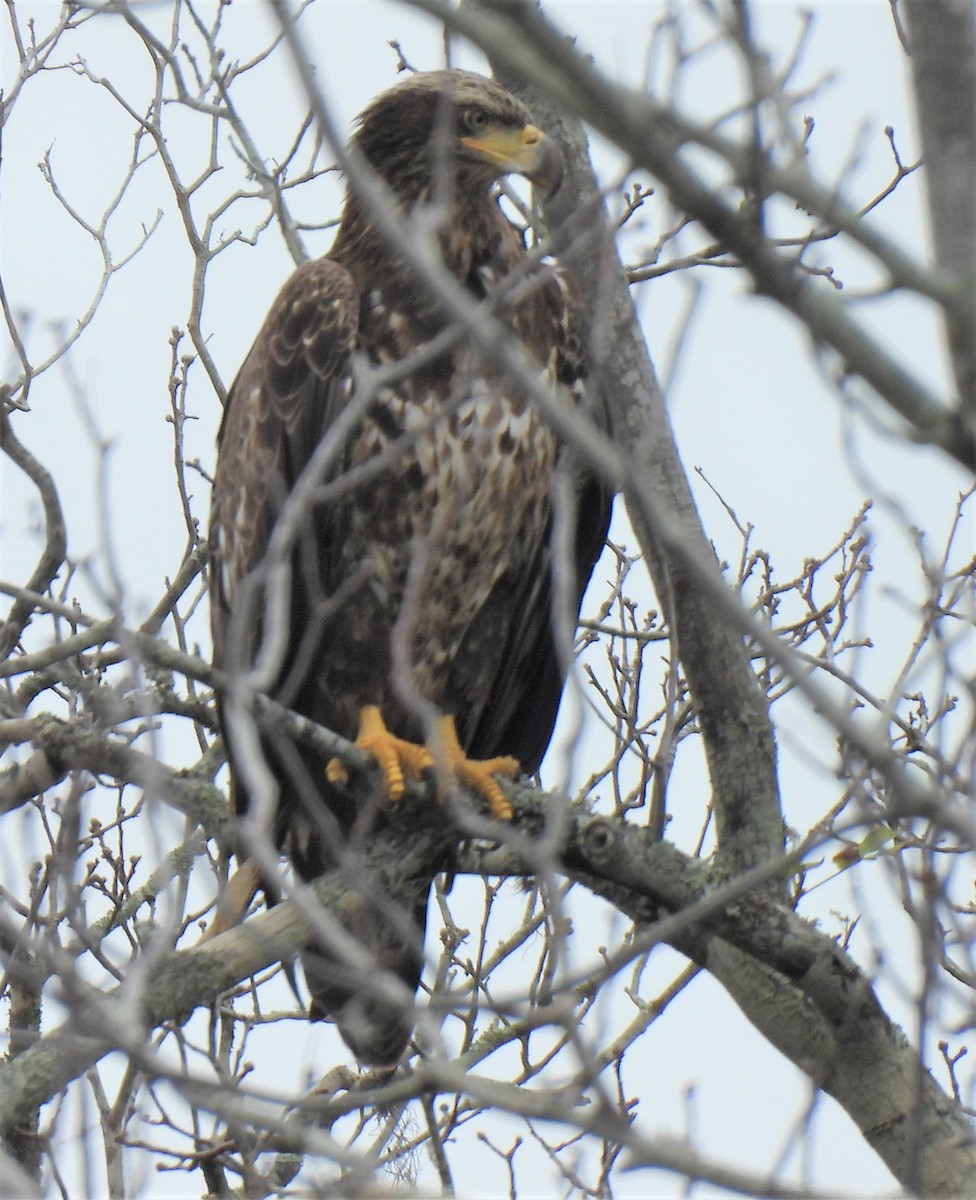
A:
(55, 545)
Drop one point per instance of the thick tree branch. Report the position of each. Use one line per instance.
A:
(943, 56)
(65, 746)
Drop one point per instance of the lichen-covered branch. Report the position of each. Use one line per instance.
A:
(725, 928)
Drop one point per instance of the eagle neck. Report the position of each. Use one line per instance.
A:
(473, 234)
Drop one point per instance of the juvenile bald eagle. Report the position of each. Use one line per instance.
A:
(418, 572)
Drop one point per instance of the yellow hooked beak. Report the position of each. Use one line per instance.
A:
(525, 151)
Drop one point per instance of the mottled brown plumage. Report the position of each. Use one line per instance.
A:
(420, 571)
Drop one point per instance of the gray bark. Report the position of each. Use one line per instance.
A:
(942, 52)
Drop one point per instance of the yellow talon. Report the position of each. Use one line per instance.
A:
(335, 771)
(400, 760)
(397, 759)
(476, 774)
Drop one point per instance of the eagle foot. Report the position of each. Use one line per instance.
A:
(476, 774)
(397, 759)
(400, 760)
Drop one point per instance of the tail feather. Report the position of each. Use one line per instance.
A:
(373, 1025)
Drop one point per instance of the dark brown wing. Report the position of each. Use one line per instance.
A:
(282, 402)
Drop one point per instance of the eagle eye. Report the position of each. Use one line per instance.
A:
(476, 119)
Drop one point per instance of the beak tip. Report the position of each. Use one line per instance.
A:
(549, 174)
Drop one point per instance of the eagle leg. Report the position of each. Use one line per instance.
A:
(476, 774)
(398, 760)
(233, 904)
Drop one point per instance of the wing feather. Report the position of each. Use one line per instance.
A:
(283, 400)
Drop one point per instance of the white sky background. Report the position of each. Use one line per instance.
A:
(749, 404)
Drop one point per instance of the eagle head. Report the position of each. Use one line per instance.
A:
(460, 119)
